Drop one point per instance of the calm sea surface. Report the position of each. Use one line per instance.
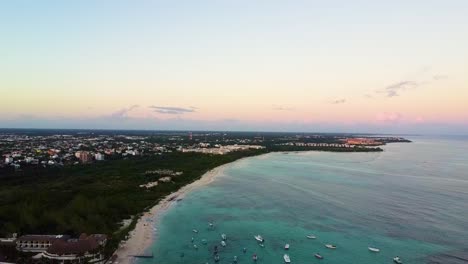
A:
(410, 201)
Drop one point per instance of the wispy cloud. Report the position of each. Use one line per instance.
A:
(282, 108)
(412, 81)
(338, 101)
(396, 88)
(123, 112)
(172, 110)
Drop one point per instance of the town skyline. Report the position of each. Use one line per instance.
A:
(301, 66)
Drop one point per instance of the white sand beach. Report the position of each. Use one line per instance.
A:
(142, 236)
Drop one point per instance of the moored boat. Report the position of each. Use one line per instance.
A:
(317, 255)
(195, 231)
(223, 243)
(286, 246)
(254, 257)
(372, 249)
(330, 246)
(216, 258)
(397, 260)
(223, 236)
(259, 238)
(286, 258)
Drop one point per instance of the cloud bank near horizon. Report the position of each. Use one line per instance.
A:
(384, 123)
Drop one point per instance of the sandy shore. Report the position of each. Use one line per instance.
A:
(141, 238)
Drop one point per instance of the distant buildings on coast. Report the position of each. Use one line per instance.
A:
(219, 149)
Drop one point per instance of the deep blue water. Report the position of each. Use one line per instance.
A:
(410, 200)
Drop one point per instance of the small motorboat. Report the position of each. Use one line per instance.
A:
(193, 239)
(254, 257)
(317, 255)
(244, 250)
(195, 231)
(286, 246)
(210, 225)
(311, 237)
(286, 258)
(235, 259)
(216, 258)
(330, 246)
(223, 236)
(261, 244)
(259, 238)
(204, 242)
(195, 247)
(376, 250)
(397, 260)
(223, 243)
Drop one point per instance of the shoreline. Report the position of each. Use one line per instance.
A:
(144, 233)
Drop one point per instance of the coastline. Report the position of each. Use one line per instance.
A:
(144, 233)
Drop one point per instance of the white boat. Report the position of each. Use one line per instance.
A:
(286, 258)
(195, 246)
(261, 244)
(235, 259)
(397, 260)
(317, 255)
(330, 246)
(223, 243)
(195, 231)
(374, 249)
(286, 246)
(311, 237)
(223, 236)
(259, 238)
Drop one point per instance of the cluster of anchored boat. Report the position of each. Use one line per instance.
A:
(286, 257)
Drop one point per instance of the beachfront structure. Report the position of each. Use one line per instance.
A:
(85, 249)
(37, 243)
(63, 249)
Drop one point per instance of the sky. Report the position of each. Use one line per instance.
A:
(298, 65)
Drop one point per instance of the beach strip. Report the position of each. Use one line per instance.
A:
(141, 238)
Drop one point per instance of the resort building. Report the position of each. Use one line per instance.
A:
(63, 249)
(85, 249)
(37, 243)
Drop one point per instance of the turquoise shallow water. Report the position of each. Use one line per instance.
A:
(410, 201)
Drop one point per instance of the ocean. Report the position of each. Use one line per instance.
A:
(409, 201)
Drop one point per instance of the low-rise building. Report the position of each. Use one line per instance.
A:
(85, 249)
(99, 156)
(37, 243)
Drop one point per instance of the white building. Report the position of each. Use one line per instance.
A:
(99, 156)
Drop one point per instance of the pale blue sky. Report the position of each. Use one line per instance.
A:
(268, 63)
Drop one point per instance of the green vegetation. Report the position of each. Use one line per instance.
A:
(95, 198)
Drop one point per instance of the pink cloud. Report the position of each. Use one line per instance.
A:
(389, 117)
